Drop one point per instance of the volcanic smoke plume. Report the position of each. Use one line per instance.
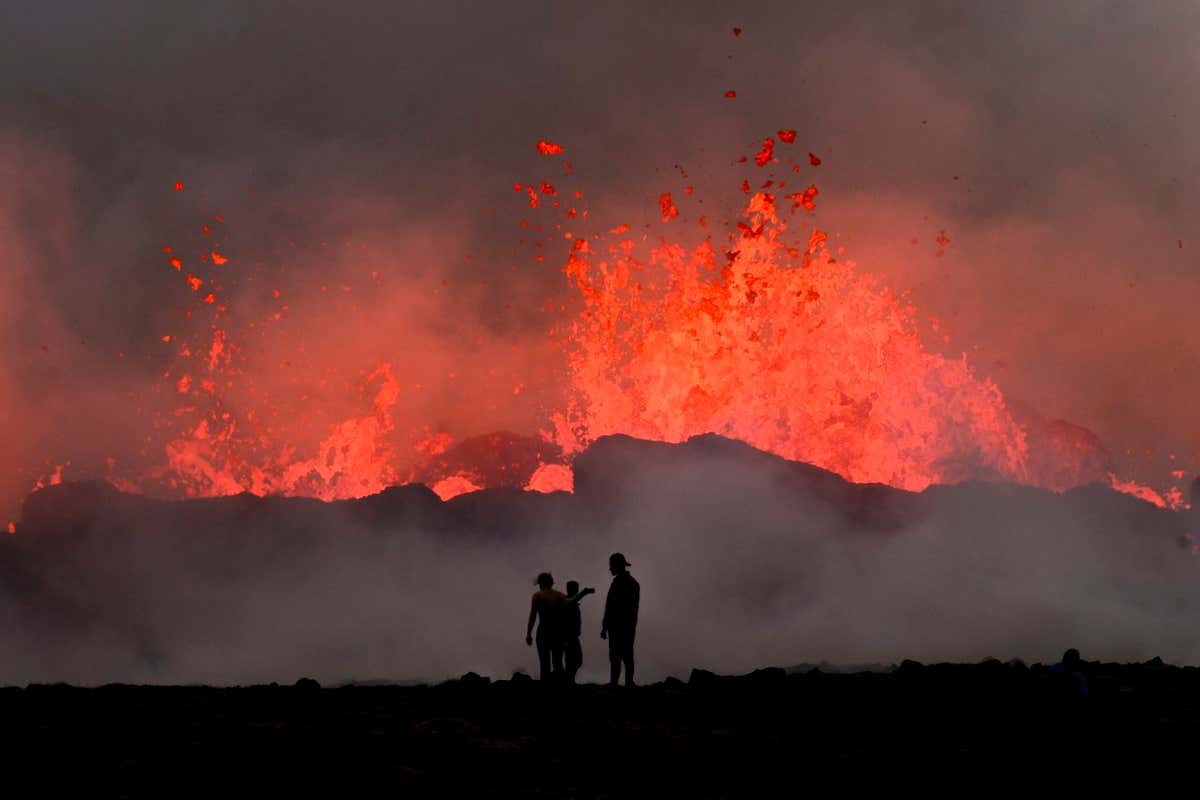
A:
(317, 255)
(209, 291)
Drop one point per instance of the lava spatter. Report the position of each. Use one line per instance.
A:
(815, 362)
(765, 336)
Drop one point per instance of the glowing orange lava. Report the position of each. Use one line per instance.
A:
(454, 486)
(794, 352)
(767, 336)
(551, 478)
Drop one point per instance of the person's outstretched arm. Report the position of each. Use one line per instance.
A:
(575, 598)
(533, 612)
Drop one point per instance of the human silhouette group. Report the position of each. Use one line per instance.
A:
(559, 624)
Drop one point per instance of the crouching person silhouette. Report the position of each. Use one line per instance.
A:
(546, 611)
(620, 619)
(572, 621)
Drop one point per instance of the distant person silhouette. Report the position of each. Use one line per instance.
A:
(572, 627)
(546, 610)
(1068, 676)
(620, 618)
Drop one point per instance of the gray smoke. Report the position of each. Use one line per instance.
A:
(744, 560)
(1054, 143)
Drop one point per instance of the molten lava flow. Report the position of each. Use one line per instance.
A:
(551, 478)
(453, 486)
(1172, 498)
(789, 350)
(355, 458)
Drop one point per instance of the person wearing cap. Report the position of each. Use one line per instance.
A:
(620, 618)
(546, 611)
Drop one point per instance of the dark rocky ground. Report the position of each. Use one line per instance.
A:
(709, 737)
(730, 543)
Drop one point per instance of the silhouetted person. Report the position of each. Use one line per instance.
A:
(572, 626)
(1070, 682)
(620, 618)
(546, 610)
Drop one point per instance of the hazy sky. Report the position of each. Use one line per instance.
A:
(1055, 143)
